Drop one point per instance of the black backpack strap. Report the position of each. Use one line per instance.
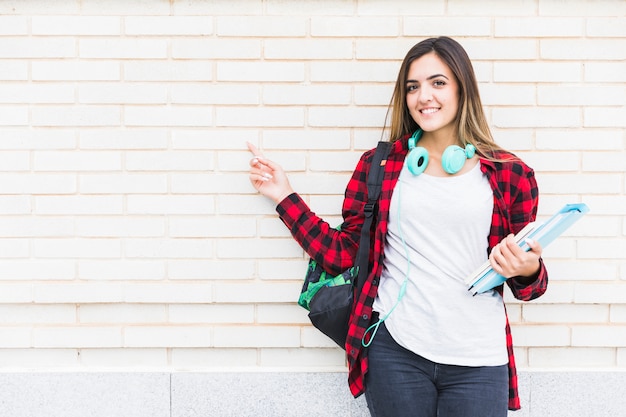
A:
(374, 186)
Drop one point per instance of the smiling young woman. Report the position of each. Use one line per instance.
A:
(451, 199)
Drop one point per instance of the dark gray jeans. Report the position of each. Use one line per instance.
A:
(400, 383)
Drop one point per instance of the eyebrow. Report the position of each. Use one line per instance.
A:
(429, 78)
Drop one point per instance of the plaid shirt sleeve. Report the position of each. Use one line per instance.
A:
(333, 250)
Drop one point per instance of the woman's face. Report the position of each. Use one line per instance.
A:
(432, 94)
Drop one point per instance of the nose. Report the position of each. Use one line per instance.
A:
(426, 94)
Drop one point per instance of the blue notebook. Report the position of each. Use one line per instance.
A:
(485, 278)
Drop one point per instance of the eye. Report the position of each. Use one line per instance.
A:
(411, 87)
(439, 83)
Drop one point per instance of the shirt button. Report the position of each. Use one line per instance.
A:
(351, 351)
(374, 282)
(365, 317)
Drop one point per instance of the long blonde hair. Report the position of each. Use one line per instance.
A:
(472, 125)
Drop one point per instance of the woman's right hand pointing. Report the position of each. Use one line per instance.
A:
(267, 177)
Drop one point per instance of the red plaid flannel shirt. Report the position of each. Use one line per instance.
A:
(515, 204)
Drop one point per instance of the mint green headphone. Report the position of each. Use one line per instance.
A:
(452, 160)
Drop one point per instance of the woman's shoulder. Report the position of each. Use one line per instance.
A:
(504, 160)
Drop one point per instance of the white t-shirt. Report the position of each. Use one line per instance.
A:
(445, 222)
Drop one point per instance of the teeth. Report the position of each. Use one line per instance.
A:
(429, 111)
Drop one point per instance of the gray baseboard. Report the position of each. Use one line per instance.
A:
(265, 394)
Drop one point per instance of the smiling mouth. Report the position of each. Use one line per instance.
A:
(429, 110)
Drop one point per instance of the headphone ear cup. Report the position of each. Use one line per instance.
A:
(453, 159)
(417, 160)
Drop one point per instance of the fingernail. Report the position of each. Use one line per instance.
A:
(268, 175)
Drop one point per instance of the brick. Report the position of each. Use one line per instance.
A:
(346, 116)
(503, 49)
(166, 336)
(215, 226)
(581, 270)
(123, 48)
(605, 72)
(76, 248)
(21, 314)
(118, 270)
(126, 93)
(533, 72)
(14, 248)
(168, 204)
(353, 71)
(75, 25)
(547, 357)
(124, 358)
(211, 313)
(564, 313)
(11, 70)
(606, 292)
(261, 26)
(591, 183)
(141, 7)
(602, 249)
(507, 94)
(605, 116)
(259, 116)
(41, 359)
(344, 161)
(570, 139)
(539, 27)
(218, 184)
(18, 204)
(372, 95)
(213, 358)
(281, 314)
(452, 26)
(362, 26)
(170, 161)
(168, 248)
(317, 49)
(256, 336)
(516, 117)
(214, 139)
(263, 71)
(320, 7)
(287, 358)
(220, 49)
(618, 313)
(152, 116)
(77, 205)
(154, 70)
(603, 162)
(582, 8)
(383, 49)
(599, 336)
(541, 335)
(168, 25)
(199, 269)
(167, 293)
(582, 49)
(14, 161)
(76, 116)
(284, 270)
(27, 94)
(322, 94)
(36, 227)
(77, 161)
(122, 184)
(577, 95)
(75, 70)
(308, 139)
(277, 292)
(120, 226)
(490, 8)
(606, 27)
(122, 313)
(191, 93)
(123, 139)
(16, 337)
(40, 270)
(13, 115)
(37, 48)
(401, 8)
(552, 161)
(242, 205)
(272, 227)
(75, 336)
(13, 25)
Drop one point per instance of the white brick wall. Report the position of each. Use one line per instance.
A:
(130, 236)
